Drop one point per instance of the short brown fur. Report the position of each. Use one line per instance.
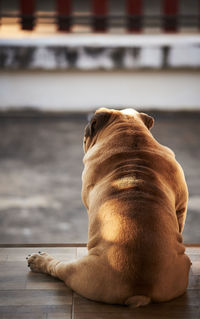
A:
(136, 196)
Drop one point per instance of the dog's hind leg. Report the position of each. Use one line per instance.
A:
(86, 276)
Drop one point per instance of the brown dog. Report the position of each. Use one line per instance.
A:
(136, 196)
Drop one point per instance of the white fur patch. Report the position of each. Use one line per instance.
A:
(129, 112)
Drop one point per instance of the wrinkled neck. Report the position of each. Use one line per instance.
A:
(127, 136)
(118, 139)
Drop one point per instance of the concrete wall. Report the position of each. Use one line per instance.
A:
(74, 72)
(80, 91)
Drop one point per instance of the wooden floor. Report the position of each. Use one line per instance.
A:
(24, 294)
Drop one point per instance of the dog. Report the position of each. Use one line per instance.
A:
(136, 196)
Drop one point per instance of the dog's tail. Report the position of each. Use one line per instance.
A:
(137, 301)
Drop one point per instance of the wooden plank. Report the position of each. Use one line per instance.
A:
(20, 254)
(41, 245)
(83, 305)
(13, 268)
(28, 315)
(194, 282)
(193, 250)
(59, 285)
(134, 12)
(34, 297)
(196, 268)
(189, 301)
(143, 313)
(42, 281)
(13, 281)
(59, 315)
(192, 245)
(194, 257)
(49, 309)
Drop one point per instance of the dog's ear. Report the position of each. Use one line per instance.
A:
(148, 120)
(97, 122)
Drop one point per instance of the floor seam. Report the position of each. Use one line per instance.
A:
(72, 311)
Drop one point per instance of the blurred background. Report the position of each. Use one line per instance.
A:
(62, 59)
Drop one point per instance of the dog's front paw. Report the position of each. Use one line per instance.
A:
(38, 262)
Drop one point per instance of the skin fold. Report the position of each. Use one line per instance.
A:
(136, 196)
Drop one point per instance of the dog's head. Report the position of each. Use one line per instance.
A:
(104, 117)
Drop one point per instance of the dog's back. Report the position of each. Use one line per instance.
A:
(133, 207)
